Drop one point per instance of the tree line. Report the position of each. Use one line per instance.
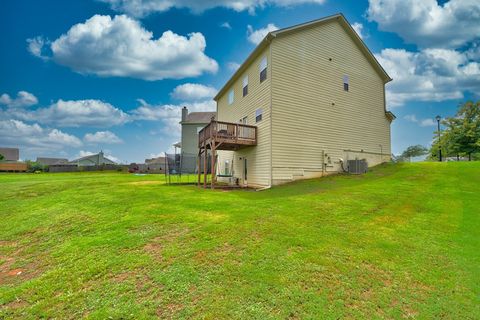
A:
(459, 138)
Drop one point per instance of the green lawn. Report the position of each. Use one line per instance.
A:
(402, 241)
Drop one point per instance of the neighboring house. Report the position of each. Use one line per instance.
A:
(51, 161)
(156, 165)
(10, 154)
(10, 162)
(192, 123)
(312, 96)
(92, 160)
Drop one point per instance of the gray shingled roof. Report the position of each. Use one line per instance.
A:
(51, 161)
(200, 117)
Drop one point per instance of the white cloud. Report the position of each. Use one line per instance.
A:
(18, 133)
(36, 47)
(193, 91)
(256, 36)
(428, 75)
(76, 113)
(170, 115)
(23, 99)
(358, 27)
(102, 137)
(226, 25)
(427, 123)
(233, 66)
(121, 47)
(411, 118)
(423, 123)
(140, 8)
(427, 23)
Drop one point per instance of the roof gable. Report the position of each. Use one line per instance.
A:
(199, 117)
(340, 18)
(272, 35)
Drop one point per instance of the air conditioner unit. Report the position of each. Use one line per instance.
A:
(357, 166)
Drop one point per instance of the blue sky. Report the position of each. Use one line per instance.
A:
(83, 76)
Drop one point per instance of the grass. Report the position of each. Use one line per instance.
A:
(399, 242)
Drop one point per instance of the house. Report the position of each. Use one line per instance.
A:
(307, 99)
(51, 161)
(155, 165)
(92, 160)
(10, 161)
(10, 154)
(192, 123)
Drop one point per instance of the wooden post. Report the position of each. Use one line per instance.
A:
(212, 164)
(198, 164)
(205, 167)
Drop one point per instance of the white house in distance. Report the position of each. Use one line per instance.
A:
(306, 100)
(92, 160)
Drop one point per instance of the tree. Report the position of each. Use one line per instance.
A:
(414, 151)
(1, 157)
(461, 136)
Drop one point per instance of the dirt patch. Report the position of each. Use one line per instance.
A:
(15, 267)
(144, 183)
(169, 310)
(16, 304)
(155, 247)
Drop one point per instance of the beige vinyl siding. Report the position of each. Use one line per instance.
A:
(312, 115)
(258, 157)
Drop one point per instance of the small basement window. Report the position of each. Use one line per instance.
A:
(258, 115)
(345, 82)
(245, 86)
(263, 69)
(230, 97)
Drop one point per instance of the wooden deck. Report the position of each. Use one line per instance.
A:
(227, 136)
(219, 135)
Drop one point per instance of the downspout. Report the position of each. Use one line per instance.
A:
(264, 188)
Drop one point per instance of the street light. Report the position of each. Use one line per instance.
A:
(438, 118)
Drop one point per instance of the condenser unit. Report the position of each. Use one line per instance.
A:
(357, 166)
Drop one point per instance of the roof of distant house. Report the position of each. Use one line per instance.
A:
(51, 161)
(155, 160)
(200, 117)
(93, 158)
(10, 154)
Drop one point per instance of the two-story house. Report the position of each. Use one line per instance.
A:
(306, 100)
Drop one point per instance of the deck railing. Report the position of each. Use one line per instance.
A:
(228, 132)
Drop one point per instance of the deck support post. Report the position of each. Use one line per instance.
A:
(205, 166)
(213, 155)
(198, 165)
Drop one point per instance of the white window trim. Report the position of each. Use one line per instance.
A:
(263, 64)
(231, 96)
(245, 81)
(258, 112)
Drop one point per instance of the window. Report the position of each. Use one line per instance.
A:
(258, 115)
(227, 167)
(345, 82)
(245, 86)
(244, 120)
(263, 69)
(230, 97)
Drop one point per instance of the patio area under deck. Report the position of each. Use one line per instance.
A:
(220, 135)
